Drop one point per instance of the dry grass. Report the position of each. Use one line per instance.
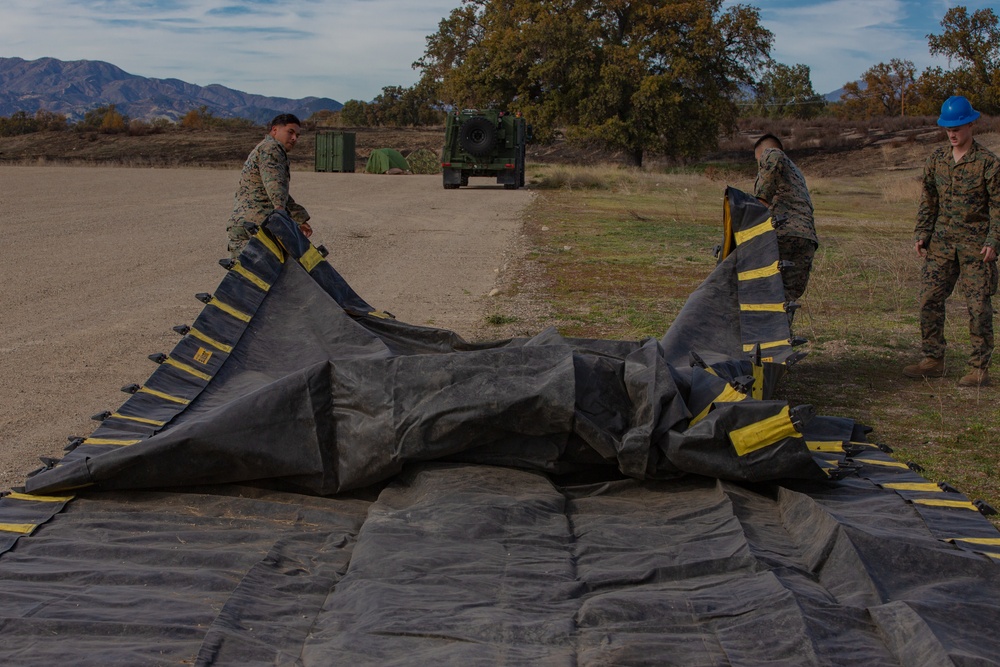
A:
(618, 260)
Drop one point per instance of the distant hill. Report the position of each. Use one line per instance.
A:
(75, 87)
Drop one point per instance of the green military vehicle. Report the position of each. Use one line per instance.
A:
(484, 143)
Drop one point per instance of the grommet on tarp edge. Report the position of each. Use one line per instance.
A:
(204, 297)
(182, 329)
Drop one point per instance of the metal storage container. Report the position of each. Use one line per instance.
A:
(335, 151)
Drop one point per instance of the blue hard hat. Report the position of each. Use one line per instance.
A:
(956, 111)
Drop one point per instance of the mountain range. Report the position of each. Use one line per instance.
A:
(75, 87)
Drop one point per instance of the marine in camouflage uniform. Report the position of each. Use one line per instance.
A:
(782, 187)
(264, 184)
(958, 219)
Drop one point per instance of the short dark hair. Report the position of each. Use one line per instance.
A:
(284, 119)
(767, 137)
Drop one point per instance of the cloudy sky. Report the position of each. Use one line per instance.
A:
(350, 49)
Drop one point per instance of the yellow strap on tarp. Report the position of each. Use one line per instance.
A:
(935, 502)
(758, 381)
(887, 464)
(226, 308)
(187, 369)
(913, 486)
(985, 541)
(825, 445)
(764, 433)
(38, 499)
(211, 341)
(753, 232)
(269, 244)
(21, 528)
(110, 441)
(727, 395)
(141, 420)
(762, 307)
(749, 347)
(310, 259)
(763, 272)
(252, 277)
(166, 397)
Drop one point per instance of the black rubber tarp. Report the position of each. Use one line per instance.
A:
(306, 481)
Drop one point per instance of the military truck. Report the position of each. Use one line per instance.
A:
(484, 143)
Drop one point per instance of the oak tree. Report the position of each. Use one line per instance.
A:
(657, 76)
(973, 40)
(787, 92)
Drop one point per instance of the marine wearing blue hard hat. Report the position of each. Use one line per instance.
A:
(956, 111)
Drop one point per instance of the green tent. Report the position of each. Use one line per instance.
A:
(383, 159)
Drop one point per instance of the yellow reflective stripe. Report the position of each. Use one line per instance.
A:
(727, 230)
(986, 541)
(166, 397)
(991, 555)
(753, 232)
(749, 347)
(763, 272)
(229, 309)
(269, 244)
(887, 464)
(141, 420)
(764, 433)
(110, 441)
(935, 502)
(39, 499)
(22, 528)
(310, 259)
(728, 395)
(380, 314)
(211, 341)
(913, 486)
(187, 369)
(255, 279)
(763, 307)
(825, 445)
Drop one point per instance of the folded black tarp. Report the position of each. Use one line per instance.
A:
(420, 498)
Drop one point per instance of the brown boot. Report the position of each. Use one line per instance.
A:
(977, 377)
(927, 368)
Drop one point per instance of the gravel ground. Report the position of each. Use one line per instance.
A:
(99, 263)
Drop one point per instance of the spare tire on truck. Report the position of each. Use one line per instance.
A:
(477, 136)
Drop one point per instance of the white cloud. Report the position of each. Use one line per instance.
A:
(332, 48)
(841, 39)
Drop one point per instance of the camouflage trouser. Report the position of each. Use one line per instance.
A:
(978, 281)
(800, 251)
(238, 239)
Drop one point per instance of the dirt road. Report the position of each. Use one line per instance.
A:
(99, 263)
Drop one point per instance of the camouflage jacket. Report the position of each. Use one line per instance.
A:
(264, 186)
(960, 205)
(783, 187)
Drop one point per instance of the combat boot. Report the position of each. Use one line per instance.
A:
(977, 377)
(927, 368)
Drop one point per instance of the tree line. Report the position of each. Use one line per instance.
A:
(108, 119)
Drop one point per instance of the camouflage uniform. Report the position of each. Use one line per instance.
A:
(263, 188)
(783, 187)
(959, 214)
